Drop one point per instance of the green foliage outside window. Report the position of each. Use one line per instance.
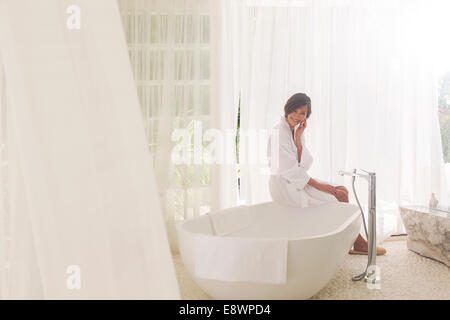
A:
(444, 115)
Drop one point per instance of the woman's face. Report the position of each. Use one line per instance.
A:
(298, 116)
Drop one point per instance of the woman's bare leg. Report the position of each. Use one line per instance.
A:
(360, 243)
(342, 196)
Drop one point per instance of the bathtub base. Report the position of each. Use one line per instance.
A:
(312, 262)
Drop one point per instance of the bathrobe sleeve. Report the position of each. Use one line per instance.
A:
(288, 166)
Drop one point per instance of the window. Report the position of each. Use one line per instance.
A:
(170, 52)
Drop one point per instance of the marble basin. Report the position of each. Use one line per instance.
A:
(428, 232)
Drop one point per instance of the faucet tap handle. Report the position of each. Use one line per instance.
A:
(347, 173)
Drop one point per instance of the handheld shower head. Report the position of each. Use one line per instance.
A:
(370, 177)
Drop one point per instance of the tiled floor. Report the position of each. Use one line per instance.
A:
(405, 275)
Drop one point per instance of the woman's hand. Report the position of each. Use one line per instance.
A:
(298, 133)
(327, 188)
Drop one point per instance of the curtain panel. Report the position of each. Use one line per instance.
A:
(81, 217)
(374, 97)
(174, 49)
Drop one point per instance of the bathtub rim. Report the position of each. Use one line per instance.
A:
(180, 226)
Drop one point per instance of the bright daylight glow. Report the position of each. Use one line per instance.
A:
(425, 30)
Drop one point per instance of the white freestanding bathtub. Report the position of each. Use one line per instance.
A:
(318, 240)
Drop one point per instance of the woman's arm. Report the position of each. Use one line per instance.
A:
(313, 183)
(322, 187)
(287, 165)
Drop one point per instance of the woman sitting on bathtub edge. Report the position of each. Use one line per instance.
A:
(290, 183)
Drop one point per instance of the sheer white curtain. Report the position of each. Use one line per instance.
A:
(173, 47)
(374, 102)
(81, 194)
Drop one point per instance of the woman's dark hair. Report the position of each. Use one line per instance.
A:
(298, 100)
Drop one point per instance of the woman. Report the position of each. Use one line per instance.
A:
(290, 183)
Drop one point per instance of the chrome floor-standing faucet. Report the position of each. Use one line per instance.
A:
(370, 274)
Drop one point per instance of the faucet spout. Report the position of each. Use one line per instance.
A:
(365, 175)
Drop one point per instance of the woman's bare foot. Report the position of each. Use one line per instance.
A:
(361, 247)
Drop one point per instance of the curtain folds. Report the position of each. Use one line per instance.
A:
(81, 189)
(174, 52)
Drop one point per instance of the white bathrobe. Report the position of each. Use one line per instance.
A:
(289, 179)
